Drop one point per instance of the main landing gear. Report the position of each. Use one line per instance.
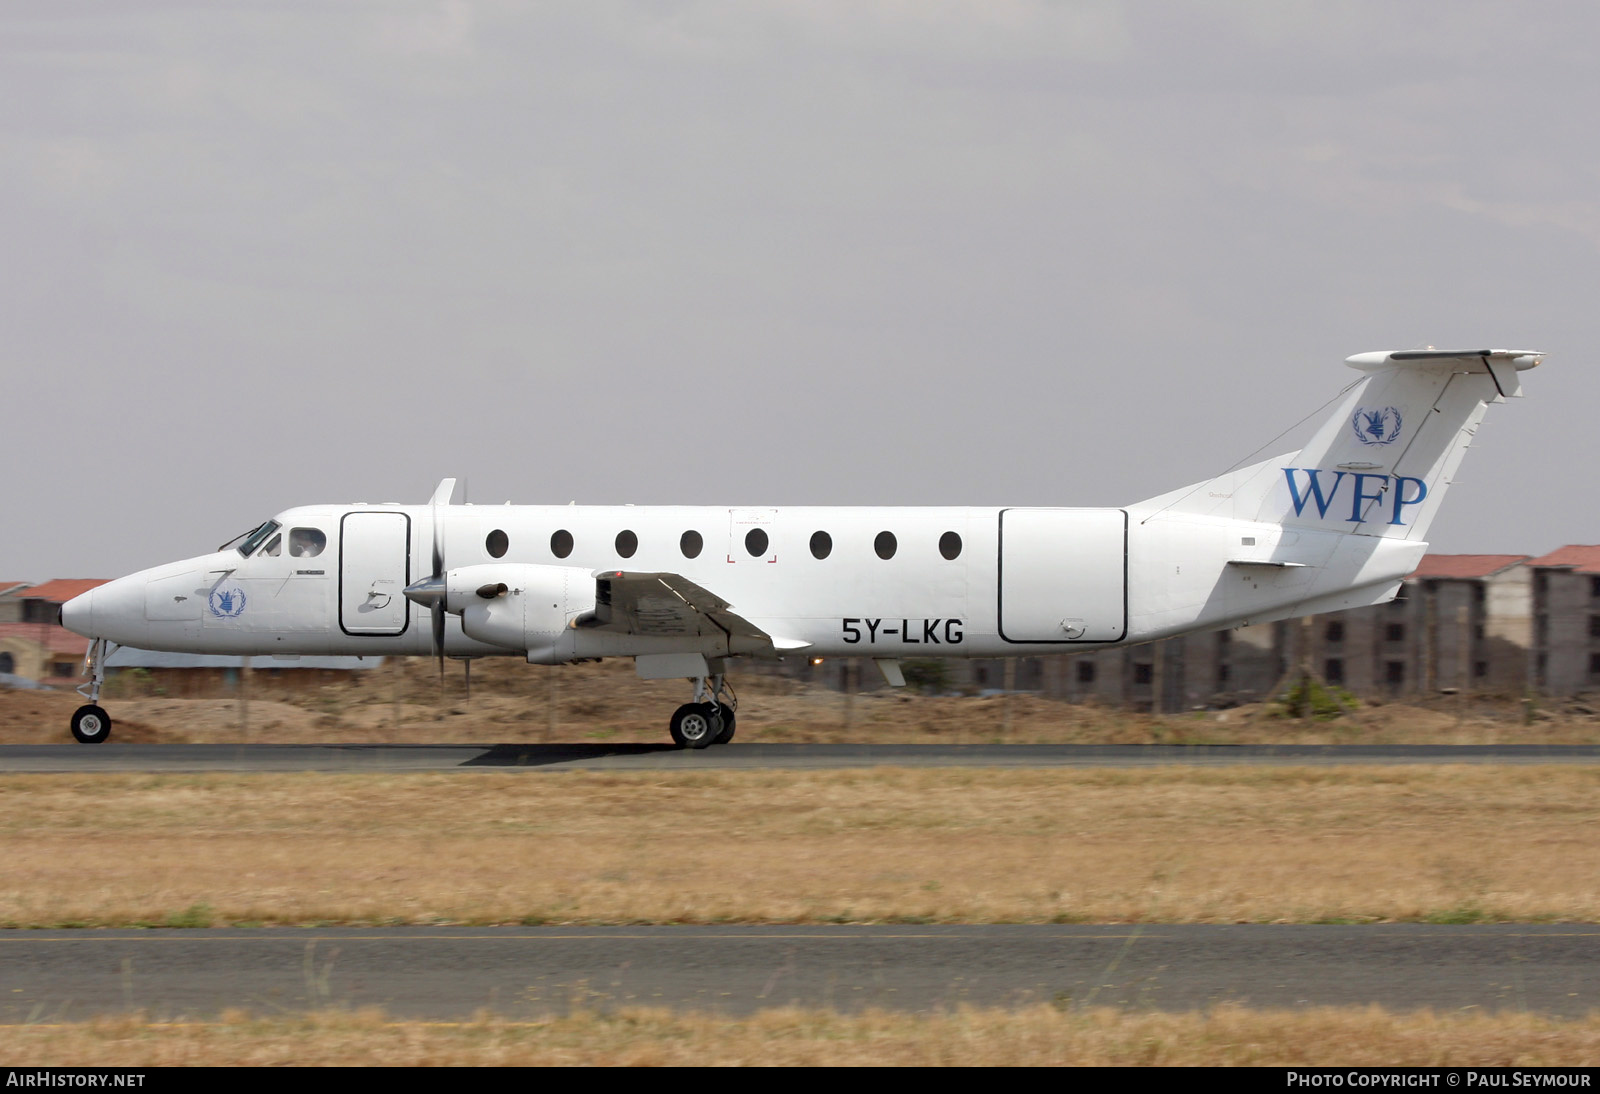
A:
(90, 723)
(709, 720)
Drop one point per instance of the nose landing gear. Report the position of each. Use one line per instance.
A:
(90, 723)
(709, 720)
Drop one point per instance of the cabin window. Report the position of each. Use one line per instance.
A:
(821, 545)
(496, 543)
(755, 541)
(627, 543)
(306, 542)
(691, 544)
(885, 545)
(561, 543)
(950, 546)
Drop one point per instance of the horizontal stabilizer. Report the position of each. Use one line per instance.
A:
(1502, 365)
(1371, 362)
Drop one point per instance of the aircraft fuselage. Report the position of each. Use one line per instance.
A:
(1017, 581)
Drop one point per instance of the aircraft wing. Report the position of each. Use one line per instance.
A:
(671, 606)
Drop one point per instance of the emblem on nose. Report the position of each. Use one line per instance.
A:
(226, 601)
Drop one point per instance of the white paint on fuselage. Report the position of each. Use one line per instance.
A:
(851, 603)
(1337, 524)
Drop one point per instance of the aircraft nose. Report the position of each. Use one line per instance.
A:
(77, 614)
(114, 610)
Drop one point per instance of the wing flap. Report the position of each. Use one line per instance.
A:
(666, 605)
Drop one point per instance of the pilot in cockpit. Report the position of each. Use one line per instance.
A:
(306, 542)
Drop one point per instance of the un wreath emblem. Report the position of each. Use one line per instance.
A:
(1376, 426)
(226, 603)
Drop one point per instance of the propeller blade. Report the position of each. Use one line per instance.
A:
(441, 496)
(432, 591)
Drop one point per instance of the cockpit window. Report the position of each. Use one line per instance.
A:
(274, 545)
(306, 542)
(252, 539)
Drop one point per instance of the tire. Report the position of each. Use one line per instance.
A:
(695, 726)
(90, 725)
(727, 725)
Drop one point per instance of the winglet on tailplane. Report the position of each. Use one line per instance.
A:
(1380, 464)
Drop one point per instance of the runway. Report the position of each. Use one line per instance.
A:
(451, 973)
(356, 758)
(454, 973)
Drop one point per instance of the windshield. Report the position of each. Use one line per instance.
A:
(248, 542)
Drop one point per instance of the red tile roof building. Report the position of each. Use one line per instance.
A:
(37, 646)
(1577, 557)
(1565, 596)
(1465, 567)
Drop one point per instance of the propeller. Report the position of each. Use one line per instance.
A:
(437, 607)
(430, 591)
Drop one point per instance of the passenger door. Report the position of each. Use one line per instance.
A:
(374, 570)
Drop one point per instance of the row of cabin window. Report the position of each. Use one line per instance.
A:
(691, 543)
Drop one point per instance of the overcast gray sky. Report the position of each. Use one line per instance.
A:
(938, 252)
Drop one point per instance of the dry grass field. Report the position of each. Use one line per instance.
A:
(1446, 844)
(1443, 844)
(401, 702)
(1224, 1036)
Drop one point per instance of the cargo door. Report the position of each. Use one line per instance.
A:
(374, 570)
(1063, 575)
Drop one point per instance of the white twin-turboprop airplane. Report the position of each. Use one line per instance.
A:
(682, 590)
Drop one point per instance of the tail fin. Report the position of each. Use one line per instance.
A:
(1380, 465)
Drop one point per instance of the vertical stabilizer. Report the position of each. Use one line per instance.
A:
(1380, 465)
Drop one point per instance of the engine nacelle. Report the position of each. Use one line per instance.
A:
(520, 607)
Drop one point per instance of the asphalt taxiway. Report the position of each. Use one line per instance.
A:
(388, 758)
(453, 973)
